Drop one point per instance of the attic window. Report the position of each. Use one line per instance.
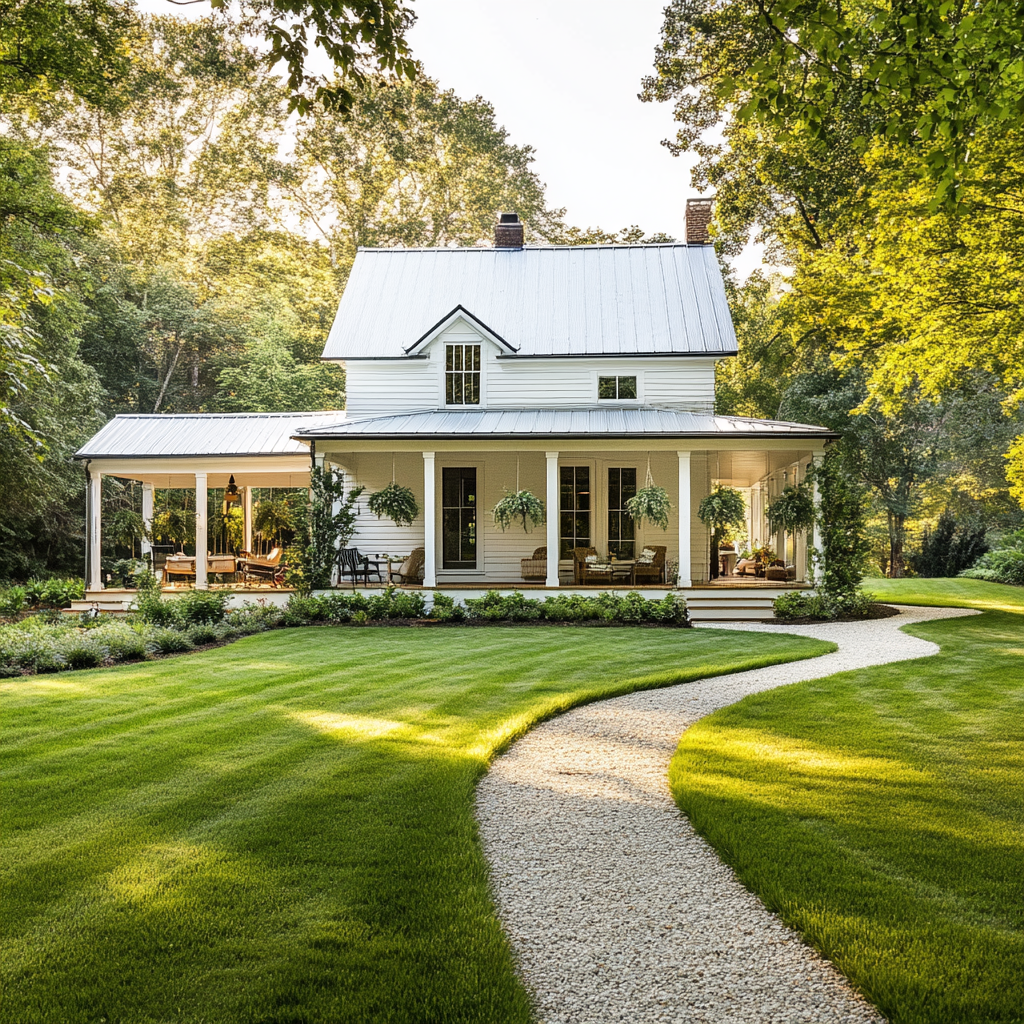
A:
(616, 388)
(462, 375)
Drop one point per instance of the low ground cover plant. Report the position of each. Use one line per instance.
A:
(1003, 565)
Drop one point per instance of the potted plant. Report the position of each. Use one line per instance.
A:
(650, 503)
(523, 506)
(723, 508)
(396, 502)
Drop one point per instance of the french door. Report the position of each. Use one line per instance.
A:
(458, 517)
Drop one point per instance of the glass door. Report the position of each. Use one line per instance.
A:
(574, 509)
(458, 518)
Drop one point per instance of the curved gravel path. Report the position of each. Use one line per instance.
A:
(616, 908)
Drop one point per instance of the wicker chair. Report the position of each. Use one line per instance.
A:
(535, 568)
(579, 563)
(411, 570)
(269, 568)
(654, 572)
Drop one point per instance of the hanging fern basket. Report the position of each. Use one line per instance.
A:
(396, 503)
(792, 510)
(650, 503)
(519, 507)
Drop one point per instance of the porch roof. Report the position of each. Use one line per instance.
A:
(159, 435)
(596, 422)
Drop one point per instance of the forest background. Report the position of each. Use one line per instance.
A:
(177, 223)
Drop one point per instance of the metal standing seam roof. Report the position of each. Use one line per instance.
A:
(639, 422)
(586, 300)
(206, 434)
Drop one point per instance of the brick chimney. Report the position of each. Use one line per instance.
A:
(698, 217)
(508, 232)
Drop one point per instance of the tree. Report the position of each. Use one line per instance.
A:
(410, 165)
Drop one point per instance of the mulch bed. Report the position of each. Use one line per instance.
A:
(875, 611)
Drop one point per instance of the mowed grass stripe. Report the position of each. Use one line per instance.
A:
(281, 830)
(879, 812)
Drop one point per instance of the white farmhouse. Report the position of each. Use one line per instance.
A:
(578, 373)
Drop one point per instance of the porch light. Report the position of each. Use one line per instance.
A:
(231, 494)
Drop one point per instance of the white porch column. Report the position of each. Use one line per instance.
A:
(819, 562)
(685, 516)
(201, 532)
(147, 518)
(95, 530)
(552, 510)
(429, 521)
(247, 519)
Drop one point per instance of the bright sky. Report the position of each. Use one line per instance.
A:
(563, 77)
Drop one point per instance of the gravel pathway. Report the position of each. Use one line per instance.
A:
(616, 908)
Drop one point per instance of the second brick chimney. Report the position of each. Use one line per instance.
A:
(508, 232)
(698, 217)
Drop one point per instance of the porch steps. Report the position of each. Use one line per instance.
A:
(107, 601)
(721, 604)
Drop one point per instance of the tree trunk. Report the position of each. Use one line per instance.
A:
(167, 379)
(897, 534)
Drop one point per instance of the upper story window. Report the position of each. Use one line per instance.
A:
(616, 388)
(462, 375)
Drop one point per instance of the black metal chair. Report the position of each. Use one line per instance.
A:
(352, 565)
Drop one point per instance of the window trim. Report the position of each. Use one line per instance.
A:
(596, 384)
(445, 344)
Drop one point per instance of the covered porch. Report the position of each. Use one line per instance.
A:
(583, 465)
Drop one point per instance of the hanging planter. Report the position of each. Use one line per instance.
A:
(650, 503)
(791, 510)
(723, 508)
(519, 506)
(395, 502)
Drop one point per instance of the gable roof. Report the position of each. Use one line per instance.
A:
(589, 300)
(640, 422)
(459, 313)
(161, 435)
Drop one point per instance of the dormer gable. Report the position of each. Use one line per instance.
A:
(459, 322)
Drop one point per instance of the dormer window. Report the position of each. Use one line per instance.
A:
(462, 374)
(614, 389)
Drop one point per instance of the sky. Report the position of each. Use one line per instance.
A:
(563, 77)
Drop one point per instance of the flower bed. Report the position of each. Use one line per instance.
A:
(199, 619)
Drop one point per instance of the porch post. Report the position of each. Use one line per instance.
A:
(816, 459)
(685, 570)
(147, 519)
(552, 519)
(247, 519)
(95, 528)
(201, 536)
(429, 521)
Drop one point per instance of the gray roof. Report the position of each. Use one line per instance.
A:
(168, 436)
(543, 301)
(639, 422)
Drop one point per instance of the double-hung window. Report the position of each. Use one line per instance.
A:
(462, 375)
(620, 389)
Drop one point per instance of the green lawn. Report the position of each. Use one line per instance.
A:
(281, 830)
(881, 813)
(954, 593)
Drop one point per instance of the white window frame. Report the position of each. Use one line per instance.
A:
(596, 382)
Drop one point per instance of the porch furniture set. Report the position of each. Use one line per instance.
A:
(355, 566)
(776, 570)
(246, 568)
(589, 569)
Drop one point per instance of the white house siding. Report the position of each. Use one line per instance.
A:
(388, 386)
(499, 553)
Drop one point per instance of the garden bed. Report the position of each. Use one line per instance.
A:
(873, 611)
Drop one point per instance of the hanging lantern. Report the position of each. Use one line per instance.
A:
(231, 494)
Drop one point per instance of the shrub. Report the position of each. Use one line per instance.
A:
(798, 605)
(54, 593)
(571, 608)
(13, 601)
(202, 633)
(447, 609)
(83, 652)
(254, 618)
(670, 611)
(301, 610)
(155, 611)
(1004, 565)
(122, 642)
(200, 606)
(948, 549)
(162, 640)
(396, 604)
